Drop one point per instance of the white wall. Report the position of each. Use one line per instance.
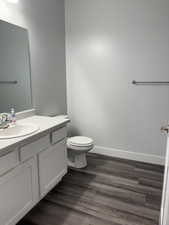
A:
(110, 43)
(45, 23)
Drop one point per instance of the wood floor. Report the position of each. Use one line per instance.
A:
(109, 191)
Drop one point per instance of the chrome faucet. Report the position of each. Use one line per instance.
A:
(5, 120)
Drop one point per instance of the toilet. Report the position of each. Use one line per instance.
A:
(77, 148)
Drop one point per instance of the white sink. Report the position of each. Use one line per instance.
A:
(19, 130)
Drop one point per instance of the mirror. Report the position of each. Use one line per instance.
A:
(15, 75)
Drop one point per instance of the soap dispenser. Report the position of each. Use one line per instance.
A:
(13, 116)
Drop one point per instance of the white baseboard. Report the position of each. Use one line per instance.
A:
(118, 153)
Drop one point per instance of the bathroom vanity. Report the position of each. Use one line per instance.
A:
(30, 166)
(32, 153)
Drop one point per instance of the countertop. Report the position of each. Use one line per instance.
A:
(46, 124)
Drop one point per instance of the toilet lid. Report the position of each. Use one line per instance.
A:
(80, 141)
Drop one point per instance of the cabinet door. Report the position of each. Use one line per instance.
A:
(18, 192)
(52, 166)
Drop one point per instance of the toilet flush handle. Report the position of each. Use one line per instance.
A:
(165, 129)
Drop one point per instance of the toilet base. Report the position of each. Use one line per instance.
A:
(76, 160)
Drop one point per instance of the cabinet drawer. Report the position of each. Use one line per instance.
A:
(35, 147)
(8, 161)
(58, 135)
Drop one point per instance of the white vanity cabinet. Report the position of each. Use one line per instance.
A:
(18, 192)
(29, 172)
(52, 166)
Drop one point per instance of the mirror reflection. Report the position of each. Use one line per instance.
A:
(15, 75)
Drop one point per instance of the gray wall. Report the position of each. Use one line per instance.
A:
(45, 22)
(110, 43)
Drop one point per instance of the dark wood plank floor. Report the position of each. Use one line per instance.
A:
(109, 191)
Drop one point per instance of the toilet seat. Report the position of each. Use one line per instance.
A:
(80, 141)
(79, 148)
